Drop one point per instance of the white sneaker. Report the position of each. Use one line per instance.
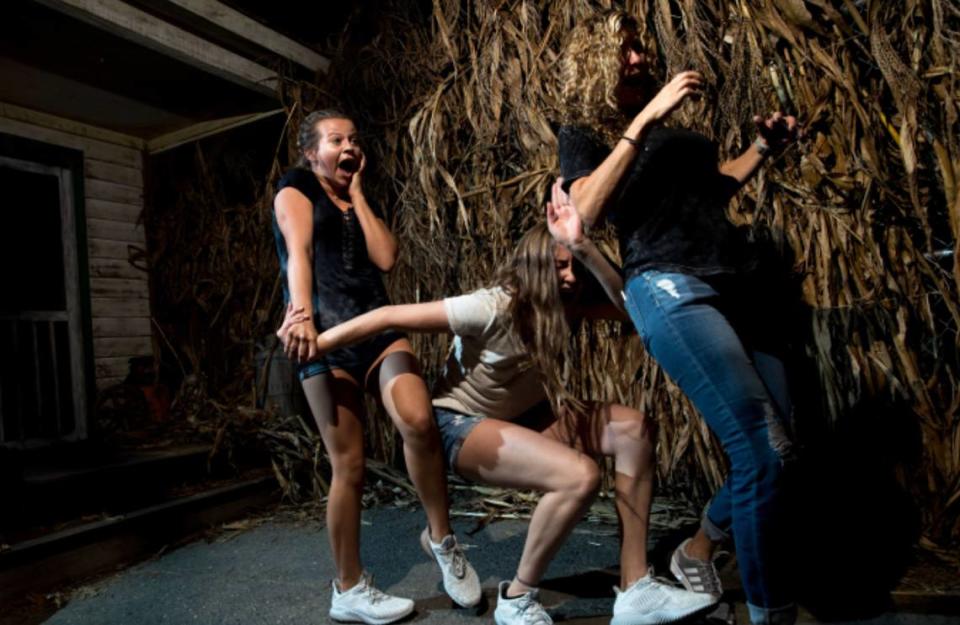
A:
(523, 610)
(649, 601)
(459, 579)
(365, 604)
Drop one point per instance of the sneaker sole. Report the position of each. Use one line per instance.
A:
(646, 619)
(349, 616)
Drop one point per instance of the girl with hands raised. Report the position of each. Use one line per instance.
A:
(688, 288)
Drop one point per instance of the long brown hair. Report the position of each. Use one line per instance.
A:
(537, 315)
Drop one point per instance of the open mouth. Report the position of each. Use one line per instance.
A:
(349, 164)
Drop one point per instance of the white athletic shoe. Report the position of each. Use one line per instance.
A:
(523, 610)
(649, 601)
(459, 579)
(365, 604)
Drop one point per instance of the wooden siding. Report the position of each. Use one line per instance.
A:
(113, 183)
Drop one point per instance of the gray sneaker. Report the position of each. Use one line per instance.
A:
(695, 575)
(523, 610)
(460, 581)
(650, 601)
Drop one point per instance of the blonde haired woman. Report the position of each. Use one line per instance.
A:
(685, 269)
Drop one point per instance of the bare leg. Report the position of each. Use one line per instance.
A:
(504, 454)
(406, 399)
(334, 400)
(624, 433)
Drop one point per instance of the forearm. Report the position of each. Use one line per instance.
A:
(355, 330)
(300, 282)
(744, 166)
(423, 317)
(381, 244)
(591, 195)
(605, 273)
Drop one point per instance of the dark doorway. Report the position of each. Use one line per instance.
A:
(42, 377)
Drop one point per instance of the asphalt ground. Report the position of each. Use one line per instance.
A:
(279, 573)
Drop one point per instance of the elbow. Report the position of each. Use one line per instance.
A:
(386, 258)
(386, 262)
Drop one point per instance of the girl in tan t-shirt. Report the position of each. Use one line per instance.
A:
(520, 325)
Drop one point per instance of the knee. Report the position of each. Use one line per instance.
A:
(417, 424)
(761, 470)
(635, 434)
(583, 479)
(347, 468)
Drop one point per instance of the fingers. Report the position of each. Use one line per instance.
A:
(303, 349)
(688, 76)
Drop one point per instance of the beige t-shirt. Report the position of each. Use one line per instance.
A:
(488, 373)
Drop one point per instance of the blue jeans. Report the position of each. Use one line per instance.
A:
(688, 327)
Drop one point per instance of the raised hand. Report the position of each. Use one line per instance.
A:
(671, 95)
(776, 130)
(563, 222)
(356, 182)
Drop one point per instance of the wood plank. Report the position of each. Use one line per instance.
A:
(142, 28)
(114, 327)
(101, 150)
(125, 346)
(101, 190)
(118, 287)
(30, 116)
(105, 382)
(110, 230)
(111, 367)
(117, 211)
(101, 248)
(115, 268)
(239, 24)
(120, 174)
(204, 129)
(119, 306)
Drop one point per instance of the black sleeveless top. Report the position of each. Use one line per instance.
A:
(346, 283)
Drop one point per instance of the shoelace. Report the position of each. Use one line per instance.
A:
(459, 562)
(375, 594)
(533, 613)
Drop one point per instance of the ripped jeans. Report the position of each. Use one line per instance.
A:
(688, 327)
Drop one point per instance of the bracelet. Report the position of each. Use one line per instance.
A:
(762, 146)
(634, 142)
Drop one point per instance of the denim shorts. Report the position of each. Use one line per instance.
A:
(455, 427)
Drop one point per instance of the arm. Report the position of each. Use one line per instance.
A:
(591, 194)
(773, 133)
(608, 277)
(381, 244)
(295, 219)
(425, 317)
(567, 229)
